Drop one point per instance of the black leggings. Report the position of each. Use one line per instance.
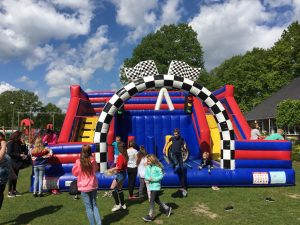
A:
(132, 172)
(12, 183)
(2, 188)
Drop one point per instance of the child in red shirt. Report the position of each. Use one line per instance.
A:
(117, 184)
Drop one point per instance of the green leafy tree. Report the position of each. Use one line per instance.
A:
(285, 54)
(170, 42)
(288, 113)
(248, 74)
(16, 105)
(50, 114)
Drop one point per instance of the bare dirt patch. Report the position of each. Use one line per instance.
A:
(202, 209)
(295, 196)
(158, 221)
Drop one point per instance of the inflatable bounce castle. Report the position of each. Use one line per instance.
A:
(213, 123)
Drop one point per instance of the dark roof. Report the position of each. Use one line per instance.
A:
(267, 108)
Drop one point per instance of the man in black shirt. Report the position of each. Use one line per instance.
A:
(178, 144)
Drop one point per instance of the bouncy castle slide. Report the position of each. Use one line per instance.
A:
(257, 163)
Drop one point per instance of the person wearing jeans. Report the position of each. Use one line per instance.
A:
(91, 207)
(40, 155)
(178, 143)
(39, 172)
(85, 170)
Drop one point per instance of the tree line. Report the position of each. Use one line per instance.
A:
(18, 105)
(256, 75)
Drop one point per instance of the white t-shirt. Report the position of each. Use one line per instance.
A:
(142, 167)
(255, 134)
(132, 156)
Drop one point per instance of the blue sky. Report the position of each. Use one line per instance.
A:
(46, 46)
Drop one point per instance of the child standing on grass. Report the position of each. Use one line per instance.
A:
(117, 184)
(40, 155)
(154, 175)
(85, 170)
(142, 163)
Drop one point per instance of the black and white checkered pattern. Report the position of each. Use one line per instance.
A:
(178, 68)
(125, 93)
(142, 69)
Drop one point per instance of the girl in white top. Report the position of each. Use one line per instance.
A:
(131, 169)
(142, 163)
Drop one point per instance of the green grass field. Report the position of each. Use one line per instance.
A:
(203, 206)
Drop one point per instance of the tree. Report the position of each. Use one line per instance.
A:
(248, 74)
(13, 102)
(285, 54)
(49, 114)
(288, 113)
(170, 42)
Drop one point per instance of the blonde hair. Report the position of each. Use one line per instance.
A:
(38, 146)
(154, 160)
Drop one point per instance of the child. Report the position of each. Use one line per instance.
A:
(117, 184)
(142, 163)
(154, 174)
(85, 170)
(206, 161)
(116, 151)
(131, 169)
(40, 154)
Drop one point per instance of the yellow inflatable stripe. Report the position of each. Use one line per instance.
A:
(215, 137)
(87, 129)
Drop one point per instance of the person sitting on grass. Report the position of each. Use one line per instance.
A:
(40, 156)
(154, 174)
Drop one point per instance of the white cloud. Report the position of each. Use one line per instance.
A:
(77, 65)
(170, 12)
(26, 24)
(232, 28)
(27, 81)
(63, 103)
(144, 16)
(6, 87)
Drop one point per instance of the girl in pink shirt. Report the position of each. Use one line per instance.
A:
(85, 170)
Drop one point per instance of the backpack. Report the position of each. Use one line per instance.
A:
(73, 190)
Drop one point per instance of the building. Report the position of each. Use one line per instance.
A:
(265, 112)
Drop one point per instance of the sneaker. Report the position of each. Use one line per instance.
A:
(184, 193)
(200, 167)
(11, 195)
(116, 208)
(55, 192)
(269, 199)
(41, 195)
(76, 197)
(169, 211)
(215, 188)
(228, 208)
(209, 171)
(124, 206)
(148, 218)
(16, 193)
(35, 195)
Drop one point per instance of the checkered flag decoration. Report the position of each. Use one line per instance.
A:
(182, 69)
(142, 69)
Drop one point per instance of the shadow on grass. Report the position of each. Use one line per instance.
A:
(25, 218)
(114, 217)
